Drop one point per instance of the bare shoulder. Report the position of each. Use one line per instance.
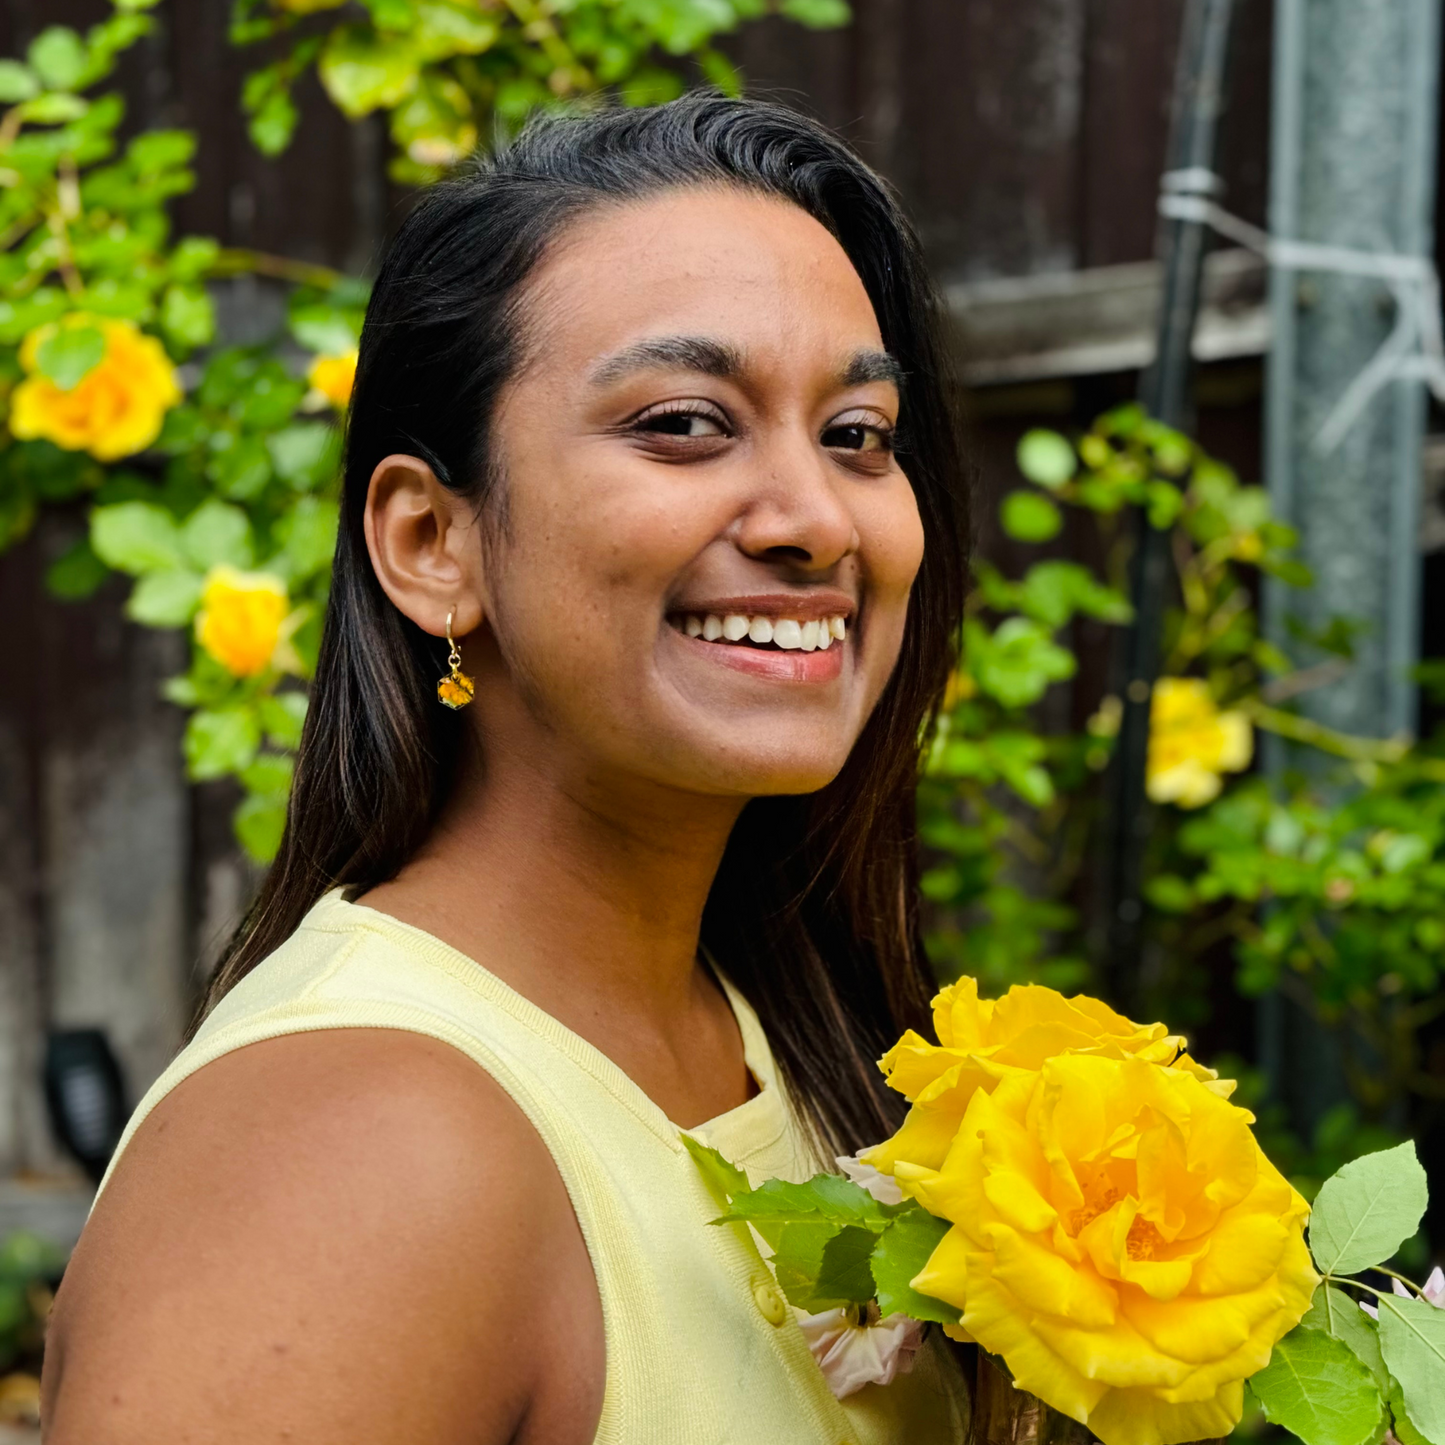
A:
(325, 1236)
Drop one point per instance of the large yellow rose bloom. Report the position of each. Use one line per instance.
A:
(1120, 1240)
(984, 1041)
(114, 410)
(241, 617)
(1191, 743)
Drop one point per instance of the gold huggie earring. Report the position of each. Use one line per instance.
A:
(456, 689)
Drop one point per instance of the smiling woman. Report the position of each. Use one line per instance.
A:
(650, 416)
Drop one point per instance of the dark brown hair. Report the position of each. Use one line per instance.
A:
(813, 913)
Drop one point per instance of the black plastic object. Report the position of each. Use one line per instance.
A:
(86, 1096)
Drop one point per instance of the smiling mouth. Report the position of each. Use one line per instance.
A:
(764, 632)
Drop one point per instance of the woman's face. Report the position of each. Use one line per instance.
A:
(708, 547)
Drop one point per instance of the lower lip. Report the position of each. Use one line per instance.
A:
(772, 663)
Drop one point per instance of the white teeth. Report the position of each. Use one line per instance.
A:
(787, 634)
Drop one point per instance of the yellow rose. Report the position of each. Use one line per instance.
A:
(333, 377)
(241, 617)
(1120, 1240)
(984, 1041)
(1191, 742)
(115, 409)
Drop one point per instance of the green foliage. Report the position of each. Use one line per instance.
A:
(1364, 1213)
(29, 1265)
(832, 1243)
(1339, 1378)
(450, 74)
(1317, 1389)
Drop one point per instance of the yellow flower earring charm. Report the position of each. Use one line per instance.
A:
(456, 689)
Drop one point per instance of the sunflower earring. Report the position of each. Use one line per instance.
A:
(456, 689)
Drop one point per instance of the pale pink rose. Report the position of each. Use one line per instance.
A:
(853, 1355)
(1433, 1290)
(881, 1186)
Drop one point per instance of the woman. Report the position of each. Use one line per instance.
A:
(651, 417)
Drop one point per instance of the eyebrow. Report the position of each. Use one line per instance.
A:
(709, 357)
(685, 353)
(866, 366)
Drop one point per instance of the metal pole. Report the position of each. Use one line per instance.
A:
(1353, 164)
(1164, 391)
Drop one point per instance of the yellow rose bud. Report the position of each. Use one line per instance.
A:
(984, 1041)
(114, 410)
(241, 617)
(1120, 1240)
(1191, 743)
(333, 377)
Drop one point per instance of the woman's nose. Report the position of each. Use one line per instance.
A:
(798, 513)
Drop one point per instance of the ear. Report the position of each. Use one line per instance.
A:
(425, 544)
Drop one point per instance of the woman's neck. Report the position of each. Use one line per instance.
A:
(587, 899)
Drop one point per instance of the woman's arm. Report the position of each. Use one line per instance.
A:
(330, 1237)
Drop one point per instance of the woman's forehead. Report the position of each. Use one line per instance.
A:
(754, 273)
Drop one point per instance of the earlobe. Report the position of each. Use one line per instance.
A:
(424, 546)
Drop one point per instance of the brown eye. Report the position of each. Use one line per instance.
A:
(858, 437)
(682, 424)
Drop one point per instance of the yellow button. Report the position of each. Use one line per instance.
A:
(771, 1304)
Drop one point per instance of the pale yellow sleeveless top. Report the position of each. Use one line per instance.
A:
(701, 1347)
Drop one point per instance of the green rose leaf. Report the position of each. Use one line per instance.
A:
(817, 14)
(164, 599)
(1402, 1425)
(305, 454)
(445, 28)
(269, 775)
(217, 533)
(1029, 517)
(798, 1258)
(308, 536)
(259, 823)
(57, 56)
(136, 537)
(724, 1179)
(1336, 1314)
(362, 72)
(274, 122)
(221, 741)
(1316, 1389)
(844, 1276)
(1046, 458)
(324, 329)
(1366, 1211)
(17, 82)
(282, 715)
(76, 573)
(188, 316)
(54, 109)
(1412, 1340)
(824, 1199)
(899, 1256)
(70, 354)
